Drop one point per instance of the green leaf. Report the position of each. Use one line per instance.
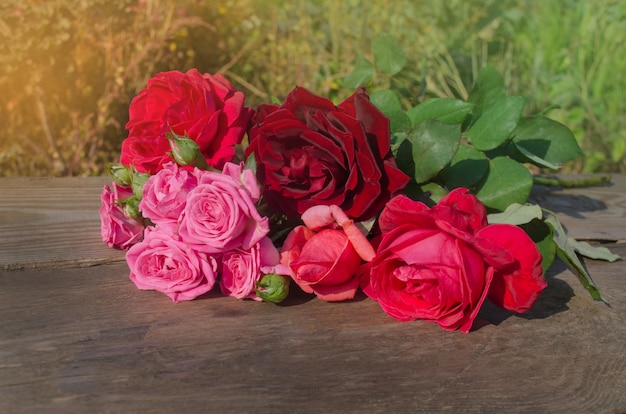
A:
(507, 182)
(433, 144)
(592, 252)
(542, 235)
(446, 110)
(435, 191)
(527, 156)
(496, 124)
(488, 88)
(251, 163)
(388, 54)
(547, 141)
(389, 104)
(566, 252)
(467, 168)
(362, 73)
(404, 157)
(516, 214)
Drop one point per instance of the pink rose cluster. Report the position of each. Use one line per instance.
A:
(204, 230)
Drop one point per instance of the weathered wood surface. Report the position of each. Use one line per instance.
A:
(46, 222)
(590, 213)
(77, 336)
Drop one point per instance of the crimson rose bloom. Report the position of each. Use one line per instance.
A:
(203, 107)
(440, 264)
(310, 152)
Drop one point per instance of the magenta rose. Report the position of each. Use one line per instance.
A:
(242, 269)
(165, 195)
(166, 264)
(323, 255)
(220, 214)
(203, 107)
(440, 264)
(117, 228)
(310, 152)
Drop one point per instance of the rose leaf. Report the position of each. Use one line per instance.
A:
(467, 168)
(388, 54)
(592, 252)
(496, 123)
(389, 104)
(446, 110)
(488, 88)
(566, 252)
(433, 145)
(545, 142)
(516, 214)
(506, 182)
(362, 73)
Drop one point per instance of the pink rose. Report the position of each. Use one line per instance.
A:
(220, 214)
(440, 264)
(325, 253)
(242, 269)
(206, 108)
(165, 195)
(166, 264)
(117, 228)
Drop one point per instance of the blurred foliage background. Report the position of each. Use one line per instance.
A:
(69, 68)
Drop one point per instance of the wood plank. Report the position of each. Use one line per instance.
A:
(86, 340)
(588, 213)
(52, 222)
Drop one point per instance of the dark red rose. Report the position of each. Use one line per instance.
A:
(310, 152)
(203, 107)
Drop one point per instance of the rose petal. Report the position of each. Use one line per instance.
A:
(517, 286)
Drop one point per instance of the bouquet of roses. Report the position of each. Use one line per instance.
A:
(210, 192)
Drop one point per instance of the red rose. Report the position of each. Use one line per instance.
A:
(440, 264)
(203, 107)
(310, 152)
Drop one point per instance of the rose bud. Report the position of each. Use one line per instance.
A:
(273, 288)
(138, 180)
(186, 152)
(121, 175)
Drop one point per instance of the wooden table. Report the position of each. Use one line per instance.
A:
(77, 336)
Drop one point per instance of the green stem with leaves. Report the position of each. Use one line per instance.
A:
(568, 183)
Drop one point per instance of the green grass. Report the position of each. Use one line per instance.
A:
(71, 67)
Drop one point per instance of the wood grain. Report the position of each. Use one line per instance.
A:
(86, 340)
(588, 213)
(52, 222)
(76, 336)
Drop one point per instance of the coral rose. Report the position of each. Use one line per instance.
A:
(325, 253)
